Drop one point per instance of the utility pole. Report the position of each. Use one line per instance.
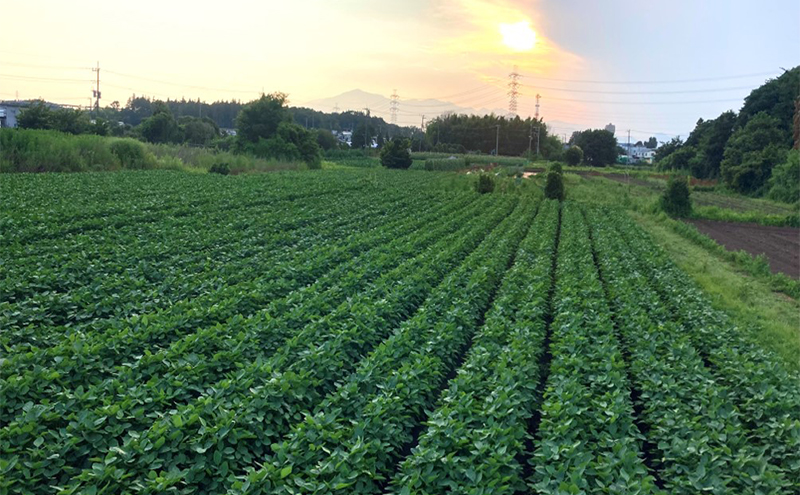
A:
(366, 127)
(537, 106)
(96, 92)
(513, 92)
(537, 139)
(530, 138)
(497, 142)
(629, 146)
(423, 133)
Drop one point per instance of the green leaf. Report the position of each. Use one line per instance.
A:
(286, 471)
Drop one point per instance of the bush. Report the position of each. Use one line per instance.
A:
(396, 154)
(676, 201)
(785, 180)
(556, 168)
(554, 187)
(220, 168)
(485, 184)
(574, 155)
(131, 154)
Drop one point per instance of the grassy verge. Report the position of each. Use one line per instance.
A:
(33, 151)
(774, 318)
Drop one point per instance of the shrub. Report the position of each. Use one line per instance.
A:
(676, 201)
(574, 155)
(220, 168)
(554, 187)
(556, 168)
(130, 153)
(485, 184)
(396, 154)
(785, 180)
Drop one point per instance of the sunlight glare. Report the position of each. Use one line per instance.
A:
(518, 36)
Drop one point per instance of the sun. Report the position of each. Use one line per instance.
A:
(518, 36)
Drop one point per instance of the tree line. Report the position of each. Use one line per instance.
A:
(748, 151)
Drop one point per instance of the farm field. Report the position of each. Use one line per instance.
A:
(781, 245)
(365, 331)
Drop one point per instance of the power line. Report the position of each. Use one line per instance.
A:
(715, 90)
(649, 102)
(673, 81)
(179, 84)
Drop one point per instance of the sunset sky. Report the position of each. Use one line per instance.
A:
(646, 66)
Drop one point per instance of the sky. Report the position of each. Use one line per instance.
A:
(651, 67)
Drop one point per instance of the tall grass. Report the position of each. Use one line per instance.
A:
(24, 150)
(28, 150)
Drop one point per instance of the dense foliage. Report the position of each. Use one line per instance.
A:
(554, 186)
(598, 145)
(573, 155)
(676, 200)
(395, 154)
(479, 133)
(742, 149)
(365, 332)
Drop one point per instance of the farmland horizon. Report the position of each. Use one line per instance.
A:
(636, 66)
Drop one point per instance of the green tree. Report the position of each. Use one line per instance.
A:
(599, 147)
(70, 121)
(573, 155)
(395, 153)
(554, 186)
(35, 116)
(161, 127)
(651, 143)
(776, 97)
(362, 135)
(198, 131)
(260, 119)
(751, 152)
(785, 180)
(326, 140)
(668, 148)
(676, 200)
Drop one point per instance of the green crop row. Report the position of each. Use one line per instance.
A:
(195, 363)
(587, 441)
(699, 442)
(765, 393)
(257, 404)
(474, 442)
(84, 289)
(60, 367)
(357, 435)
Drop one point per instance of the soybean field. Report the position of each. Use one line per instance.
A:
(365, 332)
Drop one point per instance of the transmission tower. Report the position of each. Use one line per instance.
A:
(393, 106)
(537, 106)
(336, 107)
(513, 92)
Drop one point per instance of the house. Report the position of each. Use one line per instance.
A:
(637, 154)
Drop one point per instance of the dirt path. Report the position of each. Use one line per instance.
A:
(781, 245)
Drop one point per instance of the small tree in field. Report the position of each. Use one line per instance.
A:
(573, 155)
(395, 153)
(676, 201)
(554, 187)
(485, 184)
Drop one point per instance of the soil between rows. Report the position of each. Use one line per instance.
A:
(781, 245)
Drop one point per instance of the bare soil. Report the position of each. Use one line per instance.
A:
(781, 245)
